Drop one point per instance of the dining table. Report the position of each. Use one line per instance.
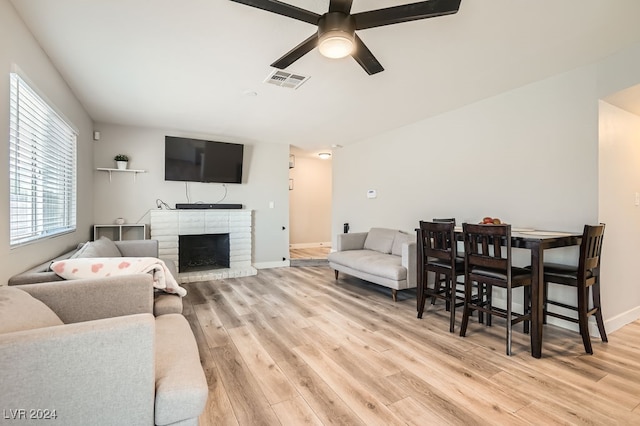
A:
(537, 242)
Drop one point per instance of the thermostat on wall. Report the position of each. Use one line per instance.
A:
(372, 193)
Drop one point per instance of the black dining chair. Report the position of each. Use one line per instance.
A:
(437, 254)
(448, 219)
(583, 277)
(459, 253)
(488, 263)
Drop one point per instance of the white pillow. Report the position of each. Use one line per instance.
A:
(380, 239)
(399, 240)
(103, 247)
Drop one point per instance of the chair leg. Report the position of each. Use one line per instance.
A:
(336, 272)
(489, 290)
(452, 302)
(480, 300)
(527, 306)
(583, 318)
(595, 293)
(422, 299)
(466, 309)
(509, 322)
(436, 288)
(447, 292)
(544, 302)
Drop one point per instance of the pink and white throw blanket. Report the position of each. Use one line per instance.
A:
(100, 267)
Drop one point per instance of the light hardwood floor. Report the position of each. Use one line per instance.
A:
(309, 253)
(292, 346)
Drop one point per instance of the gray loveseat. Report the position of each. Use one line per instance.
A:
(382, 256)
(164, 303)
(86, 353)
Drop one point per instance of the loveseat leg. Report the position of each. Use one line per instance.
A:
(394, 294)
(336, 272)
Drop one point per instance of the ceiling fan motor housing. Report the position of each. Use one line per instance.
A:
(336, 34)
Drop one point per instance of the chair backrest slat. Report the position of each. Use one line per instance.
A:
(488, 246)
(437, 240)
(590, 250)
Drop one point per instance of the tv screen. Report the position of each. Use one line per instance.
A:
(195, 160)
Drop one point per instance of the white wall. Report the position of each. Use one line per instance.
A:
(512, 156)
(19, 48)
(310, 200)
(265, 179)
(528, 156)
(619, 182)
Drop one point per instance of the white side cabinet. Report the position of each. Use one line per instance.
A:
(136, 231)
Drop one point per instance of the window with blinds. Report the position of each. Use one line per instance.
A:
(42, 168)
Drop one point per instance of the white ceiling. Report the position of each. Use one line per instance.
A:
(186, 65)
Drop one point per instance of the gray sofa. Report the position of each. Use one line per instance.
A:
(382, 256)
(164, 303)
(92, 352)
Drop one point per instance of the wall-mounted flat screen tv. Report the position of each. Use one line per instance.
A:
(195, 160)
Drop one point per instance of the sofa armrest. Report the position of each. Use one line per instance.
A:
(34, 277)
(96, 298)
(138, 248)
(39, 273)
(410, 261)
(98, 371)
(353, 241)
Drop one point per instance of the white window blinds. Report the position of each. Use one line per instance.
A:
(42, 168)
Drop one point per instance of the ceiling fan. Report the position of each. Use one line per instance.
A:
(336, 37)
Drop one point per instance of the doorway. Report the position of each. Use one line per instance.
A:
(310, 192)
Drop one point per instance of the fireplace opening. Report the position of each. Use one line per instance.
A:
(203, 252)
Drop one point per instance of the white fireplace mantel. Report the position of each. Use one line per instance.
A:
(168, 225)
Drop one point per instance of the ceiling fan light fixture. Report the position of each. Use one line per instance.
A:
(336, 35)
(336, 44)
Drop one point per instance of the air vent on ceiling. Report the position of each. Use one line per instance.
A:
(285, 79)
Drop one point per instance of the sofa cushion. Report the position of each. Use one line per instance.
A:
(373, 262)
(20, 311)
(380, 240)
(164, 303)
(78, 251)
(400, 239)
(181, 386)
(103, 247)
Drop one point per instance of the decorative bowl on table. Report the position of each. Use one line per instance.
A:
(487, 220)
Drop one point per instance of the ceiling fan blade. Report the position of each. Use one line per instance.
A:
(365, 58)
(343, 6)
(405, 12)
(297, 52)
(283, 9)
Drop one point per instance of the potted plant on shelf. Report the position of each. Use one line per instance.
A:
(121, 161)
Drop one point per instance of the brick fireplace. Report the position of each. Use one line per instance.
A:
(167, 226)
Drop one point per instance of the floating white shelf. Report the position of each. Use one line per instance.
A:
(134, 171)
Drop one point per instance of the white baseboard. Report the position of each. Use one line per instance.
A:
(610, 325)
(620, 320)
(310, 245)
(269, 265)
